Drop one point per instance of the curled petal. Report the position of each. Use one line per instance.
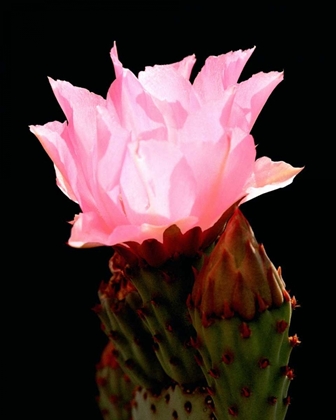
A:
(51, 136)
(268, 176)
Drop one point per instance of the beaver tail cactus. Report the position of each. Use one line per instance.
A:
(241, 312)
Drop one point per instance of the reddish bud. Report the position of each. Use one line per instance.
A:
(237, 278)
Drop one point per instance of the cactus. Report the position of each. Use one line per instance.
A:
(115, 387)
(173, 403)
(204, 335)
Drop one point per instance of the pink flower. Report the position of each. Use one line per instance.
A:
(159, 150)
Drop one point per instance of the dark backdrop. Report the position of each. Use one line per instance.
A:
(52, 288)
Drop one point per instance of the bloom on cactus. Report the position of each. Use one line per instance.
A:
(160, 150)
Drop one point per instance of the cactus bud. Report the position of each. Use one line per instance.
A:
(238, 277)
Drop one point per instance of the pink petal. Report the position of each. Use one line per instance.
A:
(166, 84)
(222, 175)
(268, 176)
(126, 233)
(50, 136)
(172, 93)
(112, 146)
(183, 67)
(134, 107)
(157, 184)
(251, 95)
(219, 73)
(88, 230)
(206, 124)
(79, 106)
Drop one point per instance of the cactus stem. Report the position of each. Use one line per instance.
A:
(157, 338)
(174, 361)
(286, 295)
(101, 381)
(209, 390)
(130, 364)
(199, 359)
(169, 327)
(195, 342)
(114, 335)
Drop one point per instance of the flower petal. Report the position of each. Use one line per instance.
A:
(268, 176)
(222, 176)
(88, 230)
(219, 73)
(157, 184)
(251, 95)
(50, 136)
(134, 107)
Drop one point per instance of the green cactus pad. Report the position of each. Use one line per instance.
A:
(165, 314)
(132, 340)
(173, 403)
(246, 363)
(115, 387)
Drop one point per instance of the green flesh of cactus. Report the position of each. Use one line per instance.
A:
(246, 364)
(173, 403)
(166, 316)
(115, 387)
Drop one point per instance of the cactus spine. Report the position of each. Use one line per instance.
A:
(207, 335)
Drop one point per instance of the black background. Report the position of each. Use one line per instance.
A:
(54, 335)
